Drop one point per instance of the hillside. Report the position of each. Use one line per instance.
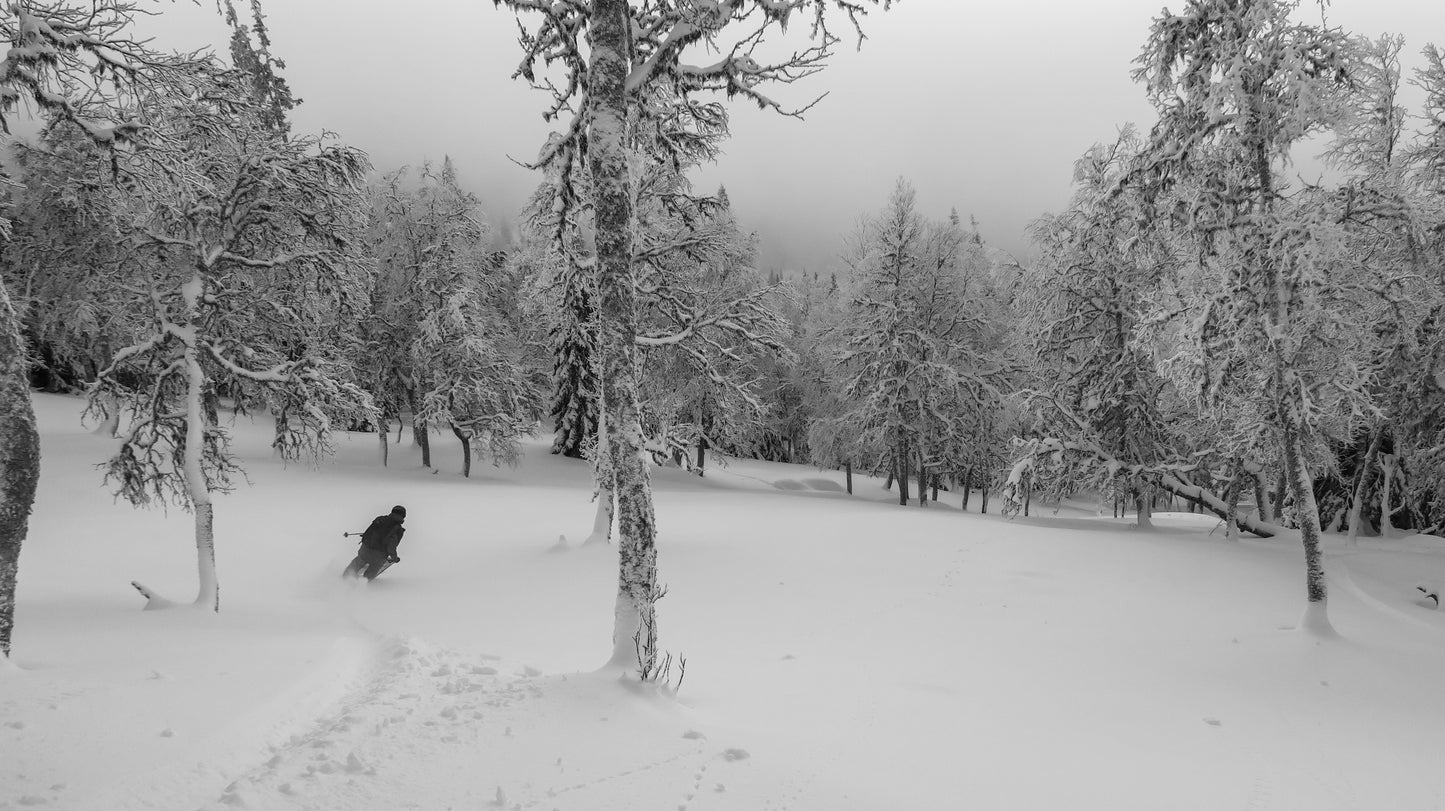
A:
(841, 652)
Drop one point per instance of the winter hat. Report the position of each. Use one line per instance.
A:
(399, 511)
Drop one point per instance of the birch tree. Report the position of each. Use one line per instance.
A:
(251, 246)
(706, 320)
(1384, 231)
(612, 54)
(439, 341)
(1086, 300)
(1241, 80)
(919, 379)
(1394, 213)
(70, 61)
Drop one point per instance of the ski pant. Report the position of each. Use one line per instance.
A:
(368, 563)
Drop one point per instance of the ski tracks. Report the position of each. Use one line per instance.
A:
(420, 710)
(438, 728)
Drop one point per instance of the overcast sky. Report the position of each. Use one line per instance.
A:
(984, 106)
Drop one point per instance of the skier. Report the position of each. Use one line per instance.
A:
(378, 545)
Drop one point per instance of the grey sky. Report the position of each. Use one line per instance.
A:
(984, 106)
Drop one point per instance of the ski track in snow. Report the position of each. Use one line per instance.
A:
(430, 718)
(418, 704)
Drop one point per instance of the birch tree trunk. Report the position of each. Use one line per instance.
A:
(922, 481)
(1281, 486)
(384, 447)
(1263, 507)
(1387, 508)
(1302, 489)
(1362, 484)
(602, 478)
(110, 426)
(634, 635)
(900, 464)
(19, 462)
(602, 519)
(1231, 503)
(419, 435)
(422, 438)
(466, 440)
(199, 492)
(1143, 512)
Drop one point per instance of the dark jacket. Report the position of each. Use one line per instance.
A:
(384, 534)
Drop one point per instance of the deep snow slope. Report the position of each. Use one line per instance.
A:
(841, 652)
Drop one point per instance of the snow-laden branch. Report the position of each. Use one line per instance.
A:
(1165, 476)
(280, 373)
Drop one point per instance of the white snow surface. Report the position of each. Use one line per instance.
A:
(842, 652)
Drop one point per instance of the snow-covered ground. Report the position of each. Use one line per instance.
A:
(841, 652)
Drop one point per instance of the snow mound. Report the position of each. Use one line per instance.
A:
(824, 485)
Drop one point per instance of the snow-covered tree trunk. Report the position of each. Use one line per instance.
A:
(1388, 465)
(922, 480)
(1301, 486)
(606, 495)
(1362, 484)
(602, 519)
(634, 634)
(418, 426)
(422, 437)
(110, 426)
(383, 447)
(900, 464)
(19, 462)
(465, 439)
(1231, 505)
(1263, 507)
(198, 490)
(1143, 511)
